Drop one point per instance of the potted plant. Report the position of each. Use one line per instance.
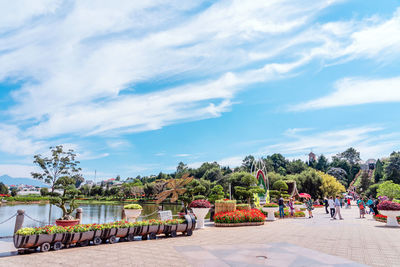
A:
(391, 210)
(200, 209)
(132, 211)
(270, 208)
(66, 202)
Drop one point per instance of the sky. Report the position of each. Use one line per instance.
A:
(135, 87)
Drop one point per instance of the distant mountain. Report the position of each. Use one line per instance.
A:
(8, 180)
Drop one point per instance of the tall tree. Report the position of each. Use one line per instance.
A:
(247, 162)
(365, 182)
(278, 161)
(61, 163)
(351, 155)
(378, 172)
(322, 163)
(392, 169)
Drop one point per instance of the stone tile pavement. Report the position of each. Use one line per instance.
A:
(363, 241)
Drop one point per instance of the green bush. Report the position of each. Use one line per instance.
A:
(199, 197)
(133, 207)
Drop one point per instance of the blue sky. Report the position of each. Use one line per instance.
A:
(134, 87)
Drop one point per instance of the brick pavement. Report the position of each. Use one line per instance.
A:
(360, 240)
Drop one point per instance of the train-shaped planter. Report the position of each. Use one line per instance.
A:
(57, 241)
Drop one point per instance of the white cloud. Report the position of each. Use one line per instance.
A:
(182, 155)
(356, 91)
(14, 141)
(370, 141)
(16, 170)
(231, 161)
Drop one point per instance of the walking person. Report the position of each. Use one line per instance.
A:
(337, 208)
(375, 207)
(361, 206)
(309, 207)
(370, 204)
(291, 207)
(331, 204)
(348, 203)
(326, 205)
(281, 206)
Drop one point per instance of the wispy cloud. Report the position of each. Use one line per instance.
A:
(369, 140)
(357, 91)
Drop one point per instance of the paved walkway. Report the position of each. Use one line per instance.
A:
(351, 241)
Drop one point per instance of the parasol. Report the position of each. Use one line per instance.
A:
(304, 195)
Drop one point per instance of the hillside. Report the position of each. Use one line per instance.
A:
(8, 180)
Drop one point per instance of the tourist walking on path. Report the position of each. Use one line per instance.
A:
(309, 207)
(281, 206)
(348, 203)
(326, 205)
(375, 207)
(331, 204)
(291, 206)
(361, 206)
(337, 208)
(370, 204)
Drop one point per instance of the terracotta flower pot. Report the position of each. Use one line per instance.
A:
(67, 222)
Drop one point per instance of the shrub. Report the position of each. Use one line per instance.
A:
(388, 205)
(271, 205)
(239, 216)
(199, 197)
(133, 207)
(225, 201)
(200, 203)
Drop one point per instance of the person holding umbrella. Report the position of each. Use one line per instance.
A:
(309, 204)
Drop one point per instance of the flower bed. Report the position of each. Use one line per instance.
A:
(270, 205)
(383, 218)
(239, 218)
(297, 214)
(200, 203)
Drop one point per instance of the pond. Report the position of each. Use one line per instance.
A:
(92, 213)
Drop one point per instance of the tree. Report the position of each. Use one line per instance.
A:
(61, 163)
(278, 161)
(295, 166)
(66, 202)
(365, 182)
(217, 193)
(330, 186)
(280, 185)
(247, 163)
(14, 192)
(310, 182)
(3, 189)
(392, 169)
(351, 155)
(322, 164)
(378, 172)
(247, 187)
(44, 191)
(339, 174)
(389, 189)
(212, 174)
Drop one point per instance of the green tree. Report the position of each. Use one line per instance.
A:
(339, 174)
(3, 189)
(247, 187)
(365, 182)
(278, 161)
(322, 163)
(14, 192)
(389, 189)
(212, 175)
(310, 182)
(330, 185)
(378, 172)
(66, 202)
(217, 193)
(392, 169)
(61, 163)
(44, 191)
(351, 155)
(295, 166)
(281, 186)
(247, 163)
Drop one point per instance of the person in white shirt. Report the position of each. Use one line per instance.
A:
(331, 204)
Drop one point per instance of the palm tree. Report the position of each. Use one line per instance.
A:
(175, 188)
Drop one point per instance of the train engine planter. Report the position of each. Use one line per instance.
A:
(57, 237)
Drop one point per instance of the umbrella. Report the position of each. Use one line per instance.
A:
(304, 195)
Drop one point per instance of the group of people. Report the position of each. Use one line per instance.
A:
(308, 203)
(335, 204)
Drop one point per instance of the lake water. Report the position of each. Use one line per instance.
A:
(92, 213)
